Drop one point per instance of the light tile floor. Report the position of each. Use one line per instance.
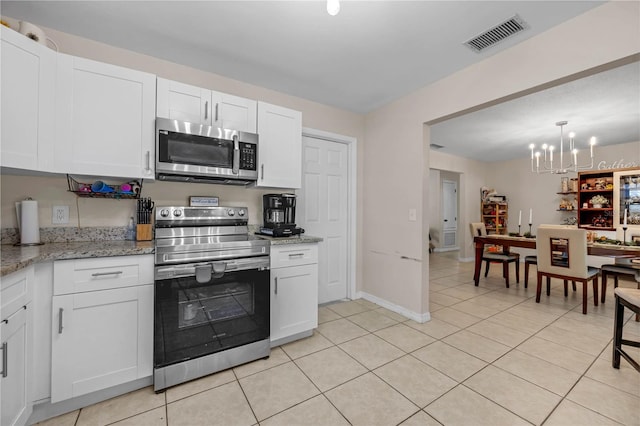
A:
(490, 355)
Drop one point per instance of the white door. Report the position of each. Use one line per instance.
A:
(323, 211)
(449, 213)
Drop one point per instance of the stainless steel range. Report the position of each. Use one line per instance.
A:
(211, 293)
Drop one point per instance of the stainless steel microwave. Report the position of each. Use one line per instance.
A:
(190, 152)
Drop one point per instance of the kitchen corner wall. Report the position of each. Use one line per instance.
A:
(395, 255)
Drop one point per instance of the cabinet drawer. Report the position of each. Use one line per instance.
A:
(16, 290)
(293, 255)
(80, 275)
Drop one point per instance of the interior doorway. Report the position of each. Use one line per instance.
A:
(449, 214)
(326, 209)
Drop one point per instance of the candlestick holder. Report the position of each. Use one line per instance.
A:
(624, 235)
(530, 228)
(519, 233)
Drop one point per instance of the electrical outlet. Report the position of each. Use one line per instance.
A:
(60, 215)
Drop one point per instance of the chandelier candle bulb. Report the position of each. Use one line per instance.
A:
(625, 217)
(530, 216)
(520, 218)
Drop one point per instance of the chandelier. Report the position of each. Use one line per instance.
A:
(546, 165)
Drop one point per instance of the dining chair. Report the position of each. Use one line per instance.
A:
(533, 260)
(478, 229)
(620, 268)
(625, 298)
(562, 254)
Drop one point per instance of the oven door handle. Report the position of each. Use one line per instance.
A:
(203, 273)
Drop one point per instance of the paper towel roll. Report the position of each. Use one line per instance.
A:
(29, 226)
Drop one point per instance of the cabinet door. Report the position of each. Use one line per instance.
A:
(100, 339)
(233, 112)
(16, 401)
(294, 300)
(179, 101)
(28, 87)
(279, 147)
(106, 119)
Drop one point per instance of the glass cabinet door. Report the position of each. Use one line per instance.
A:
(626, 195)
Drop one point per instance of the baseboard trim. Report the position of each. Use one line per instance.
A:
(395, 308)
(443, 249)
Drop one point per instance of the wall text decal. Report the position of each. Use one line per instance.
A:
(603, 165)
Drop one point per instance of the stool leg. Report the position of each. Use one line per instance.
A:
(505, 272)
(526, 274)
(573, 284)
(617, 332)
(604, 286)
(548, 286)
(584, 297)
(486, 270)
(595, 291)
(517, 263)
(566, 288)
(539, 287)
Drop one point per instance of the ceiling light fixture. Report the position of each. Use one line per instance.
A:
(547, 154)
(333, 7)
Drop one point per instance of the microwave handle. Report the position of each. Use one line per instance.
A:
(236, 155)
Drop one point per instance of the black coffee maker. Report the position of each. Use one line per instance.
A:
(279, 215)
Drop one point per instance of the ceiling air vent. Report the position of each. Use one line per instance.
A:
(496, 34)
(436, 146)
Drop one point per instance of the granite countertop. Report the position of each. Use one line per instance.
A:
(296, 239)
(14, 258)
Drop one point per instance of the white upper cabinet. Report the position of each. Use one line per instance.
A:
(279, 147)
(28, 90)
(179, 101)
(183, 102)
(233, 112)
(105, 119)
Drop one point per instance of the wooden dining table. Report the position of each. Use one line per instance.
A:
(595, 249)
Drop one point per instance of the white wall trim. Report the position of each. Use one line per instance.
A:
(439, 249)
(352, 145)
(395, 308)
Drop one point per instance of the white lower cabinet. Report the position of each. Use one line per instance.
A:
(294, 292)
(102, 337)
(16, 343)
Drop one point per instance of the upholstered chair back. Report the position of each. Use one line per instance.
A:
(478, 229)
(562, 251)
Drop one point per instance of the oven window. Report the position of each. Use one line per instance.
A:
(192, 149)
(194, 319)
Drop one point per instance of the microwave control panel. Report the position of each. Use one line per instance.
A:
(248, 156)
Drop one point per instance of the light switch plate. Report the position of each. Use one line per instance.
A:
(412, 215)
(60, 215)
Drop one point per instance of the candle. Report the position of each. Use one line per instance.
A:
(530, 216)
(520, 218)
(625, 217)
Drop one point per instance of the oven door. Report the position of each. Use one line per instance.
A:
(205, 308)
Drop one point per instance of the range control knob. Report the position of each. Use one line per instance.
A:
(231, 212)
(241, 212)
(164, 212)
(177, 213)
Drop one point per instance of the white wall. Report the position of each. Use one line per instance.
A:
(395, 136)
